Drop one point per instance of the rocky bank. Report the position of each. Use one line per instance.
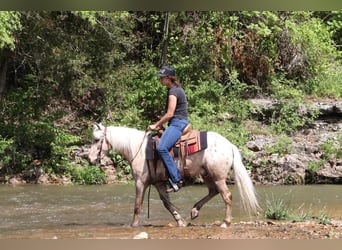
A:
(304, 160)
(300, 158)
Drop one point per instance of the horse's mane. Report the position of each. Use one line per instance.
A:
(126, 140)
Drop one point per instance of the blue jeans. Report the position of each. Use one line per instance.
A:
(169, 138)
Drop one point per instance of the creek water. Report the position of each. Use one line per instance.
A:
(29, 209)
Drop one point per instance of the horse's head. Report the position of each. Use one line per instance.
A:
(100, 146)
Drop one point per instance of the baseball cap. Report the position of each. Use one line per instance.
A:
(167, 71)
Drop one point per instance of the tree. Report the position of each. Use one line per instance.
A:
(9, 25)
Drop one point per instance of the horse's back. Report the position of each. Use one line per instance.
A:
(219, 154)
(217, 140)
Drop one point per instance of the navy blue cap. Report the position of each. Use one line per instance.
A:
(167, 71)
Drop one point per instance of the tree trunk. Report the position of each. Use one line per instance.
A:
(165, 39)
(3, 71)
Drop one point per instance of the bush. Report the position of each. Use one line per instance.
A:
(328, 84)
(282, 147)
(290, 113)
(88, 175)
(332, 148)
(6, 151)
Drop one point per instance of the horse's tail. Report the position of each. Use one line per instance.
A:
(244, 183)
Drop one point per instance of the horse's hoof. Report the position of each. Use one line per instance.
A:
(225, 224)
(182, 223)
(194, 213)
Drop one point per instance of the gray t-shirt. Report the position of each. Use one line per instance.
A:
(181, 111)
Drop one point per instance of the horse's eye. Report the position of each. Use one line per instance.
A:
(96, 140)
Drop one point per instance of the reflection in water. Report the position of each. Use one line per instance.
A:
(32, 208)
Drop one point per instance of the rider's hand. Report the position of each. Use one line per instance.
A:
(152, 127)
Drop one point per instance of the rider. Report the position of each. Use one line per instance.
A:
(177, 117)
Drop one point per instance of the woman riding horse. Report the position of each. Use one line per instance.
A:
(177, 117)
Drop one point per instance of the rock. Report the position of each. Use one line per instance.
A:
(140, 236)
(330, 174)
(255, 146)
(328, 108)
(110, 173)
(43, 179)
(16, 180)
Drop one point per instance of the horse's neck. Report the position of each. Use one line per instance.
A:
(125, 141)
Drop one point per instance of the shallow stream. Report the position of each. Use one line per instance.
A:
(32, 209)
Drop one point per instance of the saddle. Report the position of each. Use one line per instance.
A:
(191, 142)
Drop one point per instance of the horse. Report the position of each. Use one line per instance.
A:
(212, 164)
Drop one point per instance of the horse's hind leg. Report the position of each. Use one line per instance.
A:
(164, 196)
(212, 192)
(227, 198)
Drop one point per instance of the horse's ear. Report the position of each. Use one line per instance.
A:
(99, 126)
(96, 125)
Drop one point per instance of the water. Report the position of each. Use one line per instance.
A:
(33, 208)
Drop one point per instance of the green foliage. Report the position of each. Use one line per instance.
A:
(61, 148)
(323, 218)
(307, 215)
(282, 147)
(235, 102)
(334, 23)
(332, 148)
(289, 114)
(190, 44)
(146, 101)
(328, 84)
(312, 40)
(9, 25)
(6, 150)
(88, 175)
(123, 169)
(209, 94)
(314, 166)
(278, 209)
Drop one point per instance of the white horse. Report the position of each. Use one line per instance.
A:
(212, 164)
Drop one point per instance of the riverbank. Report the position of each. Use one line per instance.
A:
(240, 230)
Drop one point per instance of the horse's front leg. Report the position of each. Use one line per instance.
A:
(140, 189)
(164, 196)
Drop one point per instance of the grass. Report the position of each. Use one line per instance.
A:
(282, 147)
(278, 209)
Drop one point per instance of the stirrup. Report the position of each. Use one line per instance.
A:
(175, 187)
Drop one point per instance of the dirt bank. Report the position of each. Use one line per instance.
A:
(240, 230)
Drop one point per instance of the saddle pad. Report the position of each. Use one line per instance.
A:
(200, 145)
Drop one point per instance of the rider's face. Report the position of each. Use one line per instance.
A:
(165, 81)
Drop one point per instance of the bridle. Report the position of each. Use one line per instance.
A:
(102, 140)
